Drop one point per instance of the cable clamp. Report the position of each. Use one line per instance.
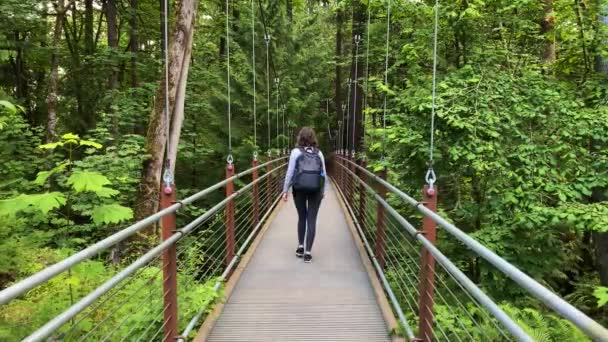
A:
(229, 159)
(255, 155)
(420, 203)
(430, 177)
(182, 205)
(168, 180)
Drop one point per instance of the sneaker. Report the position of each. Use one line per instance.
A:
(300, 252)
(308, 258)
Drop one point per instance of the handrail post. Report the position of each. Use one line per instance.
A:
(362, 193)
(427, 268)
(351, 178)
(229, 219)
(255, 194)
(168, 197)
(379, 249)
(269, 180)
(343, 175)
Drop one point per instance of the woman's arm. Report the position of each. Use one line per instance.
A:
(295, 153)
(324, 172)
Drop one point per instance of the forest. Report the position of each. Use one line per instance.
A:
(520, 130)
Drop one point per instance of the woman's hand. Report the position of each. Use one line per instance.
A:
(284, 197)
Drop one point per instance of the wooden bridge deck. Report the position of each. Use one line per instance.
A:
(280, 298)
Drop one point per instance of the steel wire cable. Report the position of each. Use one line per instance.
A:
(115, 310)
(388, 30)
(158, 316)
(414, 275)
(126, 318)
(159, 271)
(205, 274)
(255, 123)
(407, 239)
(109, 296)
(228, 80)
(455, 297)
(408, 265)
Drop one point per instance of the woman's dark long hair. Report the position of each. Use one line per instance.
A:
(307, 137)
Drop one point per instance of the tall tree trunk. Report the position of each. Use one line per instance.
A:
(601, 64)
(89, 38)
(338, 78)
(290, 10)
(111, 15)
(156, 138)
(51, 99)
(581, 32)
(18, 64)
(600, 239)
(134, 46)
(547, 30)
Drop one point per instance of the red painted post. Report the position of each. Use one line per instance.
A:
(269, 181)
(427, 269)
(339, 170)
(255, 194)
(362, 193)
(353, 182)
(229, 219)
(379, 249)
(168, 197)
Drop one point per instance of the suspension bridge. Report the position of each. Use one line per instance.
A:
(375, 277)
(379, 272)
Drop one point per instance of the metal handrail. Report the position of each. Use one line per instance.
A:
(563, 308)
(50, 272)
(54, 324)
(473, 289)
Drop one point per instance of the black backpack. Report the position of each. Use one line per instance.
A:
(308, 173)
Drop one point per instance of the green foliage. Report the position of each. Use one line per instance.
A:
(111, 213)
(41, 202)
(601, 293)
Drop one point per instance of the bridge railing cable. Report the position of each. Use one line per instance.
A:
(398, 256)
(48, 273)
(460, 309)
(135, 302)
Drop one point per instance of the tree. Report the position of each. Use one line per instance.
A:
(51, 101)
(547, 29)
(180, 48)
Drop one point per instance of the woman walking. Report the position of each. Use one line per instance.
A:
(306, 175)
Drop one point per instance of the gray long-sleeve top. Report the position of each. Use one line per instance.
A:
(291, 167)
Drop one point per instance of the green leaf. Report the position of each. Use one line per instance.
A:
(111, 213)
(47, 201)
(44, 175)
(90, 143)
(43, 202)
(601, 293)
(88, 181)
(70, 136)
(50, 146)
(9, 107)
(107, 192)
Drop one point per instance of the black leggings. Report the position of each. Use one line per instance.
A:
(308, 208)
